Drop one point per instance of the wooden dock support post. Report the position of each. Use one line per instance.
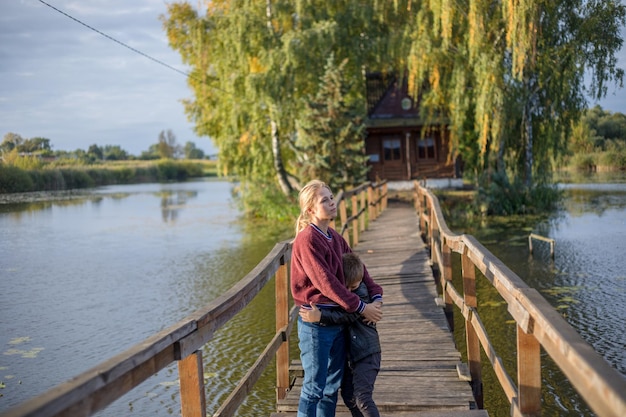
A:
(355, 222)
(191, 375)
(471, 337)
(539, 237)
(282, 320)
(446, 275)
(528, 374)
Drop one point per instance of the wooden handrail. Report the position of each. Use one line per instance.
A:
(376, 202)
(100, 386)
(539, 325)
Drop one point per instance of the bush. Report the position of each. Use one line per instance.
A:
(615, 159)
(169, 170)
(582, 161)
(77, 179)
(500, 197)
(146, 173)
(124, 175)
(101, 176)
(193, 169)
(266, 201)
(48, 180)
(14, 180)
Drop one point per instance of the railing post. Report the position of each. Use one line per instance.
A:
(385, 194)
(191, 375)
(446, 277)
(419, 206)
(431, 235)
(362, 206)
(471, 337)
(355, 222)
(343, 215)
(528, 374)
(370, 203)
(282, 319)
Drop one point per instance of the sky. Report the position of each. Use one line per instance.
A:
(63, 81)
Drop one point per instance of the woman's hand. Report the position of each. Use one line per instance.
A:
(373, 312)
(314, 315)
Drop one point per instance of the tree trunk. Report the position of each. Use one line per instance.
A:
(527, 134)
(528, 142)
(281, 174)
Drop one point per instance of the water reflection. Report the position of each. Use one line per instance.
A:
(174, 201)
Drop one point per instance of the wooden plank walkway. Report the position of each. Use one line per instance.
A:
(418, 374)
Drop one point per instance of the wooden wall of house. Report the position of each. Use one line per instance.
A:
(427, 155)
(394, 120)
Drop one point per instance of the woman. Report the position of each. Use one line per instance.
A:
(317, 277)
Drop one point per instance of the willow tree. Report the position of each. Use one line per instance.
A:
(254, 63)
(510, 75)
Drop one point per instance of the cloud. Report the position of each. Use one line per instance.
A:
(65, 82)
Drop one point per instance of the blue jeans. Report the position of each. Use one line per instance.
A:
(323, 356)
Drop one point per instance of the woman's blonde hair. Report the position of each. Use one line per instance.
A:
(306, 199)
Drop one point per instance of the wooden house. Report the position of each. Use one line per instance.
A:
(399, 144)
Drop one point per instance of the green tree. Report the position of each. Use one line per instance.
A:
(514, 73)
(151, 154)
(114, 153)
(36, 145)
(11, 141)
(254, 63)
(192, 152)
(95, 153)
(330, 134)
(167, 146)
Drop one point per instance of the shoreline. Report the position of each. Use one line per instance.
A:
(35, 196)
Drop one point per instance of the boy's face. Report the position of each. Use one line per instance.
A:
(354, 285)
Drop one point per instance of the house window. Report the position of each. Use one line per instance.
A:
(426, 148)
(391, 149)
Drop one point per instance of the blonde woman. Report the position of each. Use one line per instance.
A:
(317, 278)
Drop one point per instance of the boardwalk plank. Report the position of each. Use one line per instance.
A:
(418, 374)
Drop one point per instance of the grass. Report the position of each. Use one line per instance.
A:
(16, 176)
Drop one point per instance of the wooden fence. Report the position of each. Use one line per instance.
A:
(100, 386)
(539, 325)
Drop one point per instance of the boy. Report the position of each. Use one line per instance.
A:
(364, 351)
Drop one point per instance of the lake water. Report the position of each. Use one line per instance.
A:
(585, 282)
(85, 279)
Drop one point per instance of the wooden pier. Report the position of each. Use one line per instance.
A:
(421, 375)
(421, 371)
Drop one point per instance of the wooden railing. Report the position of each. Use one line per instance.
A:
(182, 342)
(539, 325)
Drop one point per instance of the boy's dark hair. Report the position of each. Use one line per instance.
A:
(352, 268)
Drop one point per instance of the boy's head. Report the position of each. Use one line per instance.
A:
(352, 270)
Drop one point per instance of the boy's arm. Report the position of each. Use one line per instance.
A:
(338, 316)
(327, 315)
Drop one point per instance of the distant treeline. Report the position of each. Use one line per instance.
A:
(166, 147)
(16, 179)
(597, 142)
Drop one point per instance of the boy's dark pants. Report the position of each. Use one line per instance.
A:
(357, 386)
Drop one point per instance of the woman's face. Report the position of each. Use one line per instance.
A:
(323, 207)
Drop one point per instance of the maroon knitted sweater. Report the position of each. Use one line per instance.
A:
(317, 272)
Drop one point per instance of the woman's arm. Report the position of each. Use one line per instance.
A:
(327, 315)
